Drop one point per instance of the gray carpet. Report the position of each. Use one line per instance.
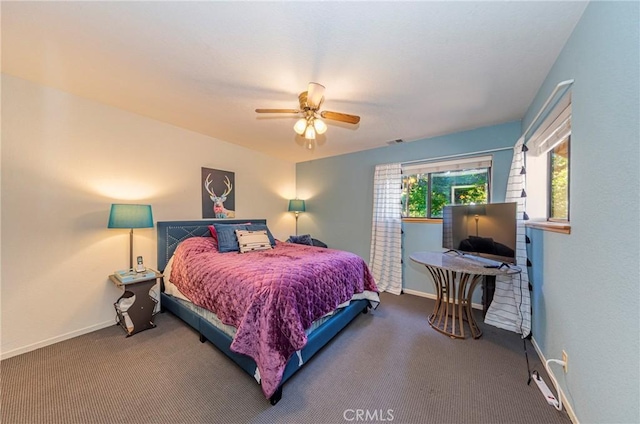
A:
(389, 364)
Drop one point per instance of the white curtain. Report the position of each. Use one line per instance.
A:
(386, 232)
(511, 306)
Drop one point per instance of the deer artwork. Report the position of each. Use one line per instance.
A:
(218, 201)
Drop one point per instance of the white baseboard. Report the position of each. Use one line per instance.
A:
(565, 403)
(43, 343)
(433, 296)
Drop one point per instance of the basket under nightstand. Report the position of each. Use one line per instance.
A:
(137, 315)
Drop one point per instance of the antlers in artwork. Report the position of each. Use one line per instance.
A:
(218, 201)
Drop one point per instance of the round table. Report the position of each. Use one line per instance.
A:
(455, 276)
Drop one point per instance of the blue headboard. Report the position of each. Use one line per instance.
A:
(171, 233)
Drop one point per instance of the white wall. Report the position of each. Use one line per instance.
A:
(64, 161)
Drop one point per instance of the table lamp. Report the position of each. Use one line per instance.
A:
(297, 206)
(130, 216)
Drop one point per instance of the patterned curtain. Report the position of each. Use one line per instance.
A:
(386, 237)
(511, 306)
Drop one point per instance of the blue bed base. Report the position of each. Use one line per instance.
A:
(170, 234)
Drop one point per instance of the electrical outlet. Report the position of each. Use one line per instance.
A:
(565, 359)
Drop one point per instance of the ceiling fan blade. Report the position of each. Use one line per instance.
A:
(337, 116)
(315, 92)
(277, 110)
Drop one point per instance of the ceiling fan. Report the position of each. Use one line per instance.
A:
(310, 124)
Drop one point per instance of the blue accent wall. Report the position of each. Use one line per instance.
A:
(586, 288)
(586, 297)
(339, 192)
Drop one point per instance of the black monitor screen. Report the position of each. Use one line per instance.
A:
(483, 230)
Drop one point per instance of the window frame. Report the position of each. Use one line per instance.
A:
(555, 129)
(443, 165)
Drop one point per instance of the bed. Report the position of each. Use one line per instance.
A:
(269, 350)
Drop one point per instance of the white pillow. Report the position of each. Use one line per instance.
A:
(250, 241)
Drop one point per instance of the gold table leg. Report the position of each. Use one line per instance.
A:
(453, 303)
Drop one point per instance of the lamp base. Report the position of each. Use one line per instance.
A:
(131, 250)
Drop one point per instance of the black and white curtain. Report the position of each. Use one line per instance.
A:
(385, 259)
(511, 306)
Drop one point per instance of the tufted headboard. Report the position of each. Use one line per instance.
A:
(171, 233)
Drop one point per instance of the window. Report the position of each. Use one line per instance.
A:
(548, 166)
(428, 187)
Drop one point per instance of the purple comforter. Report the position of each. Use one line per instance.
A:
(270, 296)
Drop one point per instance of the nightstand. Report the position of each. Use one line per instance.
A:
(134, 309)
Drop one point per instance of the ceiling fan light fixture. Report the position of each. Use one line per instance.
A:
(300, 126)
(309, 125)
(310, 133)
(315, 92)
(319, 126)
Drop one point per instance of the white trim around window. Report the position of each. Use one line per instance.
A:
(449, 165)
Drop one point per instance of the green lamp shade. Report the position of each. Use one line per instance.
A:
(296, 205)
(130, 216)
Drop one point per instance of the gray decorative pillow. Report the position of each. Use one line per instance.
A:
(318, 243)
(303, 239)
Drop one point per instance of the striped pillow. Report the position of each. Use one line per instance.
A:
(250, 241)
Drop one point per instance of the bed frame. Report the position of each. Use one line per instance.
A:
(170, 234)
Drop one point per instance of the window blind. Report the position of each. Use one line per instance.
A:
(450, 165)
(553, 130)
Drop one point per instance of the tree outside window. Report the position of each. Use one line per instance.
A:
(425, 195)
(559, 179)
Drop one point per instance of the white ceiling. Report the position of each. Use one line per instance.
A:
(411, 70)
